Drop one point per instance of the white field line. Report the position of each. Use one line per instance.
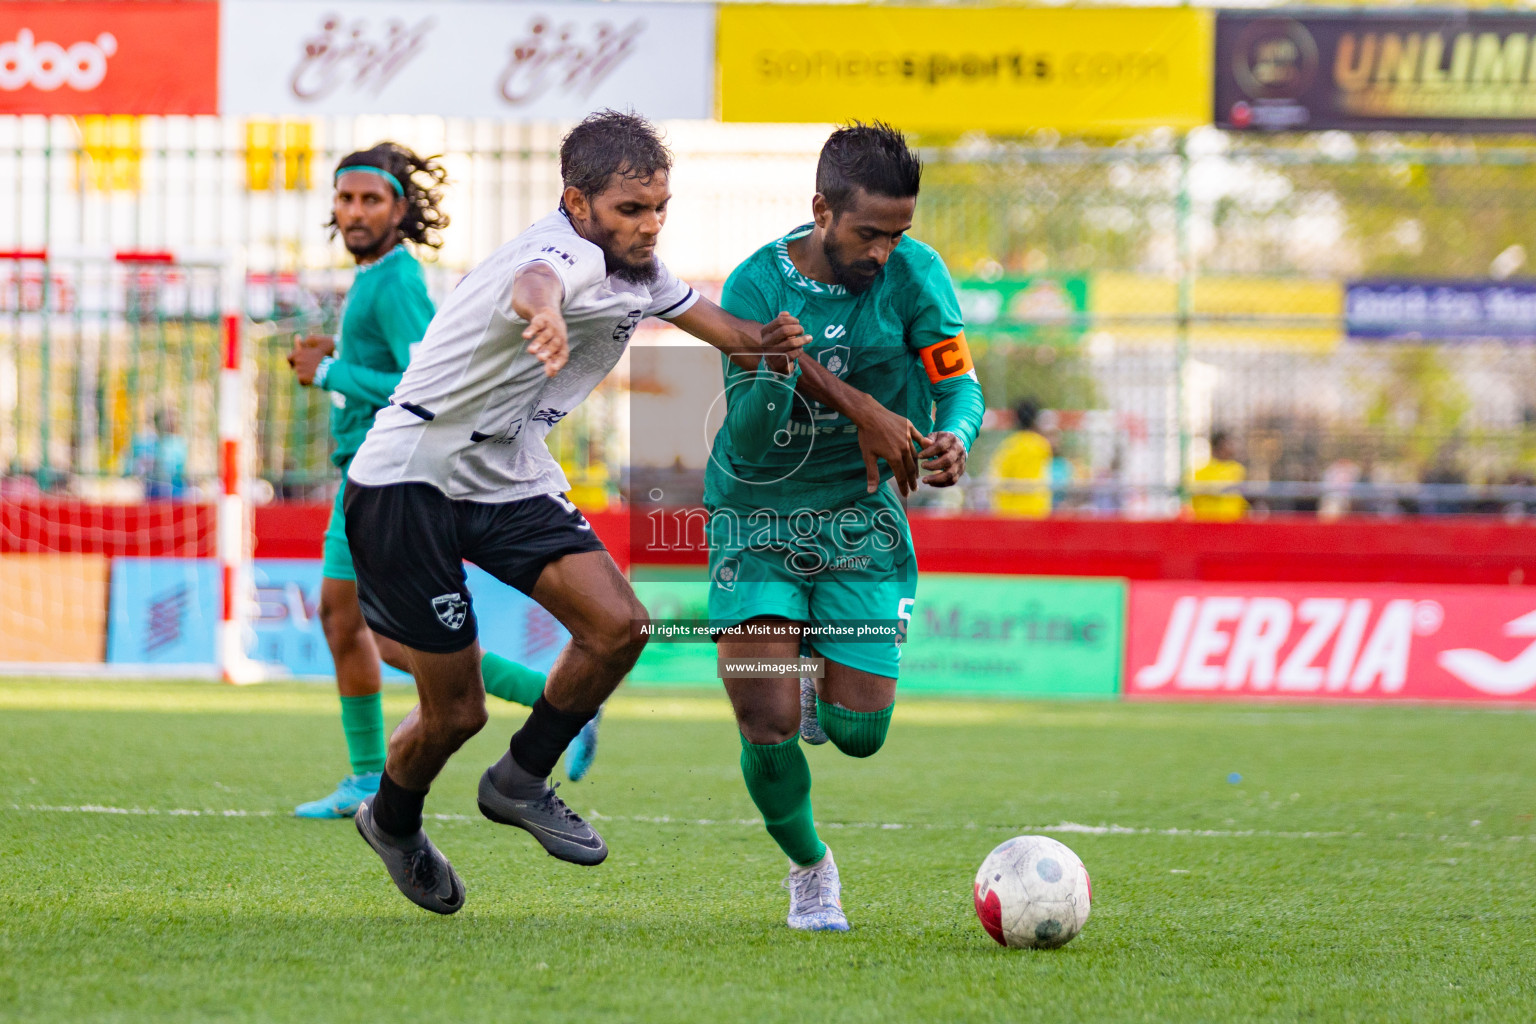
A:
(1060, 827)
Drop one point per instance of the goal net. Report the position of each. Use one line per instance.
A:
(125, 521)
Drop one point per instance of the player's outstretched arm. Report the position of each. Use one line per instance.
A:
(745, 341)
(882, 434)
(536, 297)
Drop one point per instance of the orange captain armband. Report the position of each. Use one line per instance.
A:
(947, 359)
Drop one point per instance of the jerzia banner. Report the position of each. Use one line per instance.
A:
(1330, 641)
(1405, 71)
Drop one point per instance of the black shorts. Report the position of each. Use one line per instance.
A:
(410, 541)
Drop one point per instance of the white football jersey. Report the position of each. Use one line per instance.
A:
(471, 413)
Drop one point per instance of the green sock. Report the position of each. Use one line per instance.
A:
(511, 681)
(856, 733)
(779, 781)
(362, 721)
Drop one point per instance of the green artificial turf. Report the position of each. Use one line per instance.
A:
(1372, 864)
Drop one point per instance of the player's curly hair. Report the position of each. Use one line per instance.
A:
(422, 178)
(607, 143)
(874, 157)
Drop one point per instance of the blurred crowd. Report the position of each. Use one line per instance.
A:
(1037, 470)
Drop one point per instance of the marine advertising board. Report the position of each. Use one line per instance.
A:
(1005, 636)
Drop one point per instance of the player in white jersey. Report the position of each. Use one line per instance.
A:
(456, 468)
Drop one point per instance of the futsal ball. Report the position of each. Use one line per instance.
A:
(1032, 893)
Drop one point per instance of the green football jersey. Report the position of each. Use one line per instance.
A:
(386, 314)
(788, 452)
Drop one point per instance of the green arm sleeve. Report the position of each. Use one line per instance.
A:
(934, 313)
(758, 406)
(749, 423)
(958, 407)
(935, 317)
(401, 320)
(362, 383)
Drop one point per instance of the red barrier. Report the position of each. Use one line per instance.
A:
(291, 529)
(1212, 641)
(76, 527)
(1461, 550)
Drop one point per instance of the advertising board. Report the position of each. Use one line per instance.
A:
(165, 611)
(109, 58)
(53, 608)
(513, 61)
(1430, 70)
(959, 69)
(1413, 310)
(1210, 641)
(1006, 636)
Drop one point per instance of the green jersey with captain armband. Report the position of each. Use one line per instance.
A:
(901, 341)
(386, 314)
(830, 554)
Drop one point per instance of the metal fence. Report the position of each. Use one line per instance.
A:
(1214, 268)
(1145, 294)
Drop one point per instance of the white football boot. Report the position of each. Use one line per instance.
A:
(816, 897)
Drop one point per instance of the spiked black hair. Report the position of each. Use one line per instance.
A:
(874, 157)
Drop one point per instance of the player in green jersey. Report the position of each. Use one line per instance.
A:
(809, 547)
(384, 197)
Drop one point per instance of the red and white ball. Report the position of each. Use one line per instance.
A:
(1033, 893)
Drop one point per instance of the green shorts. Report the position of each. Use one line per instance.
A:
(850, 574)
(337, 560)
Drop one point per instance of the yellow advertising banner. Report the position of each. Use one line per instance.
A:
(53, 608)
(946, 69)
(1240, 311)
